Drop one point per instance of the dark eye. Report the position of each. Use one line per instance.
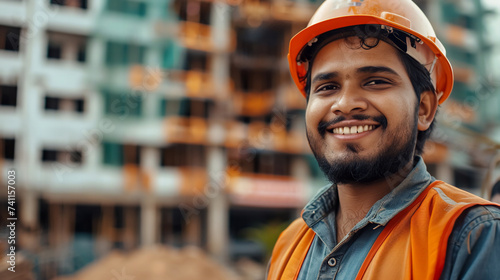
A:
(377, 82)
(327, 87)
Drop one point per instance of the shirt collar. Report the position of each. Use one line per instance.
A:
(382, 211)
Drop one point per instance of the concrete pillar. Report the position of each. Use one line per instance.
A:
(150, 156)
(95, 6)
(218, 227)
(220, 25)
(29, 210)
(29, 219)
(30, 108)
(218, 208)
(149, 220)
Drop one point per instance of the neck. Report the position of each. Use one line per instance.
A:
(356, 199)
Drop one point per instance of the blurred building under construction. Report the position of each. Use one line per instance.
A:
(138, 122)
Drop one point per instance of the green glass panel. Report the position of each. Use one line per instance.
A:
(122, 104)
(163, 107)
(112, 153)
(130, 7)
(124, 54)
(184, 107)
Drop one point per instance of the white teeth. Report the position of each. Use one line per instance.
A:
(353, 129)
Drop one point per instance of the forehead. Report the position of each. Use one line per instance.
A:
(346, 53)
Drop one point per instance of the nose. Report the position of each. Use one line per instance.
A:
(349, 100)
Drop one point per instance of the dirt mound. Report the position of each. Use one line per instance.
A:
(155, 263)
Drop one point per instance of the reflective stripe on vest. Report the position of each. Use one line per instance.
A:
(417, 236)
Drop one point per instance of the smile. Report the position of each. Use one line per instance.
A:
(353, 129)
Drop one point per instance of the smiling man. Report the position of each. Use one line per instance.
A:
(373, 73)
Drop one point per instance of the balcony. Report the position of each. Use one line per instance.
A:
(257, 11)
(260, 135)
(64, 76)
(294, 100)
(236, 133)
(197, 84)
(266, 191)
(300, 11)
(188, 130)
(127, 183)
(435, 152)
(135, 178)
(253, 103)
(72, 16)
(198, 36)
(193, 181)
(144, 78)
(461, 37)
(13, 11)
(179, 181)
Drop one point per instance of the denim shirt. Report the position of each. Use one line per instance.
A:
(473, 247)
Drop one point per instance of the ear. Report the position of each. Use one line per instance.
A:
(427, 109)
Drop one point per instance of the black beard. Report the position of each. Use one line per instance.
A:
(353, 169)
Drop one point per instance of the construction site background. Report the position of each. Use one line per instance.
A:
(165, 139)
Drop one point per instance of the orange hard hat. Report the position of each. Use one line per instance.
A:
(400, 15)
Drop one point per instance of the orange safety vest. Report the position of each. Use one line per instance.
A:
(417, 238)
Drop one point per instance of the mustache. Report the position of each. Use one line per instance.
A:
(322, 126)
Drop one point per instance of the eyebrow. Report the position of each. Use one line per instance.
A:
(376, 69)
(324, 76)
(362, 70)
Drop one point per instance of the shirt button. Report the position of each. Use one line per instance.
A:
(332, 262)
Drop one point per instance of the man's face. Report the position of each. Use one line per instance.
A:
(361, 114)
